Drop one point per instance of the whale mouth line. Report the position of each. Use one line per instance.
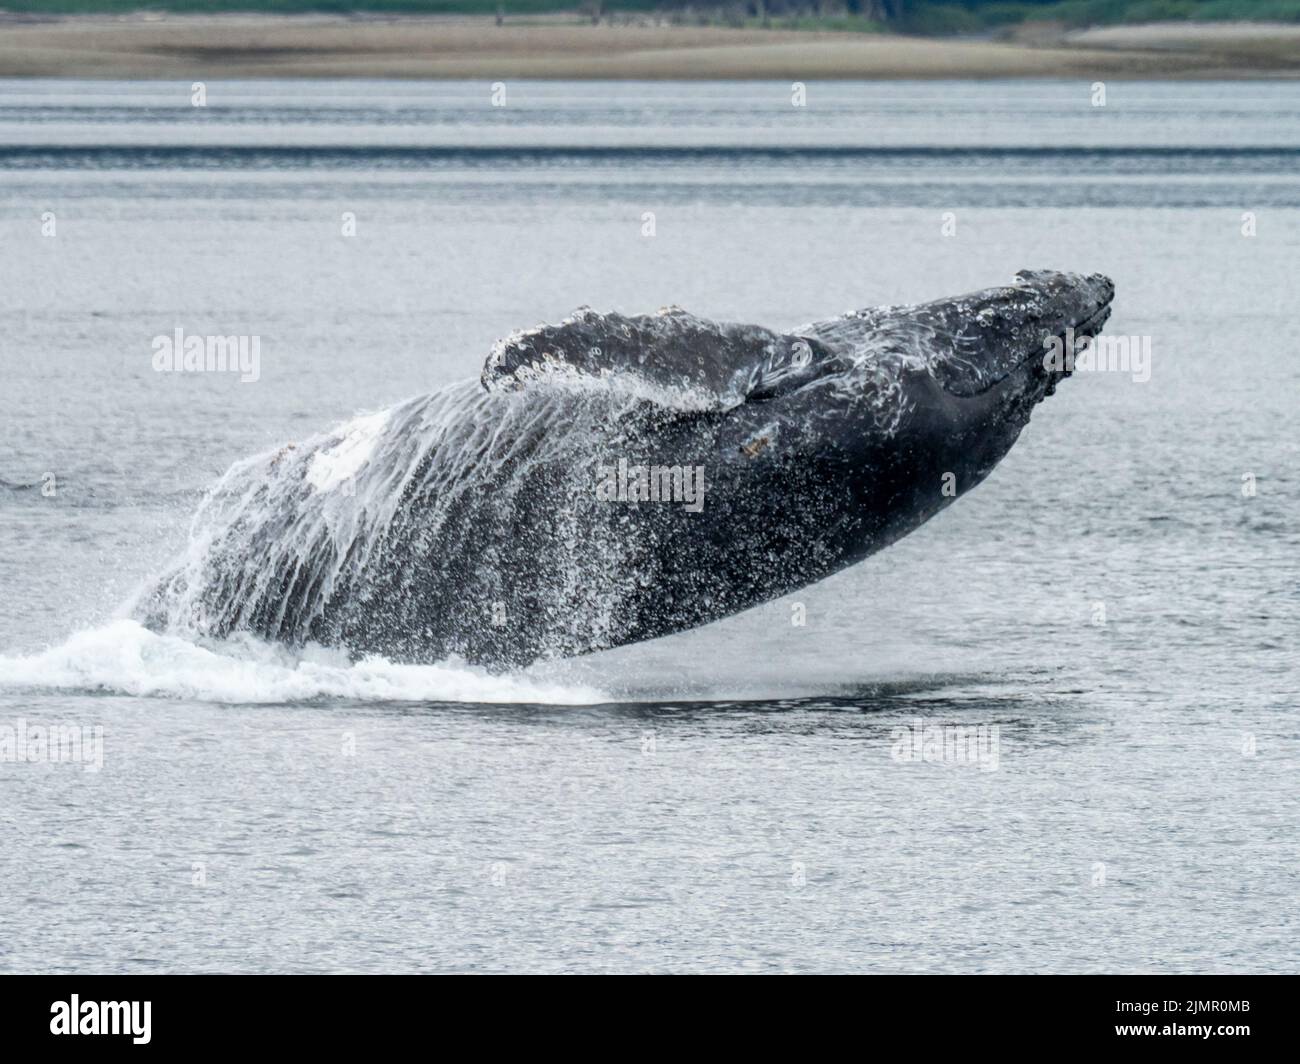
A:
(1092, 324)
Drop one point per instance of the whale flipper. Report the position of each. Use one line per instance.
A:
(674, 349)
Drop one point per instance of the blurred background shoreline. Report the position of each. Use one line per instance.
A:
(869, 39)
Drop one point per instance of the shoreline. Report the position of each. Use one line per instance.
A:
(172, 47)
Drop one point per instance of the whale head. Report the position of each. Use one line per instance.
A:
(872, 422)
(963, 375)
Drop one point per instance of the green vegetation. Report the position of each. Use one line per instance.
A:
(915, 16)
(294, 7)
(973, 16)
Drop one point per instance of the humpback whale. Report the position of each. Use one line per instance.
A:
(614, 478)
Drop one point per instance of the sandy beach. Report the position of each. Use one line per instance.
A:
(154, 46)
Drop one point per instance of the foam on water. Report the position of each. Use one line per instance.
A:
(123, 657)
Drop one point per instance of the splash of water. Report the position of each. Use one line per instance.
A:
(125, 658)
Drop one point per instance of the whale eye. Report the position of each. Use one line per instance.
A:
(802, 353)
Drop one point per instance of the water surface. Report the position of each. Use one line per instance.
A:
(726, 799)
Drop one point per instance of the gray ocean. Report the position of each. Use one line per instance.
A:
(1057, 729)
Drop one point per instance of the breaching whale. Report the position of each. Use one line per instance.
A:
(611, 479)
